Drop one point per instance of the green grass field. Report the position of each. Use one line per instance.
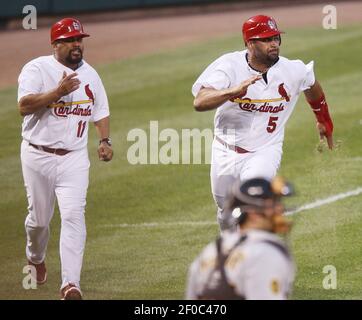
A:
(150, 262)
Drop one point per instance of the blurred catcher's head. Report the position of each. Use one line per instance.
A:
(263, 198)
(67, 28)
(260, 27)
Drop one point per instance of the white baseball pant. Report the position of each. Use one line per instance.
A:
(227, 166)
(48, 177)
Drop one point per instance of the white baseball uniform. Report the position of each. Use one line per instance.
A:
(47, 176)
(254, 122)
(254, 265)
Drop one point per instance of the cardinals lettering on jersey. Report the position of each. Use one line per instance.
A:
(251, 105)
(263, 105)
(64, 109)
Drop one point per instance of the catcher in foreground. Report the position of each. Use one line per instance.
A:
(253, 262)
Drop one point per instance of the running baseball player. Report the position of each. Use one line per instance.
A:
(255, 92)
(58, 96)
(253, 263)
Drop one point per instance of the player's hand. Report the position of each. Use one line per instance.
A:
(241, 89)
(68, 84)
(105, 152)
(322, 135)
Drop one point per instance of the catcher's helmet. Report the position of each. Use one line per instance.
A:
(260, 27)
(67, 28)
(256, 193)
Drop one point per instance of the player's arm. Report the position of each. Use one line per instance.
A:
(317, 100)
(34, 102)
(210, 98)
(105, 151)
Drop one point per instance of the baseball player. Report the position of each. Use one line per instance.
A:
(58, 96)
(255, 92)
(253, 263)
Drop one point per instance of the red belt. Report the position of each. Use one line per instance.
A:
(231, 147)
(58, 152)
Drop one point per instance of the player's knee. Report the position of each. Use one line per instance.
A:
(73, 217)
(39, 226)
(219, 200)
(74, 214)
(35, 222)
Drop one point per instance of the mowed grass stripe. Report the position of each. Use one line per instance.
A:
(305, 207)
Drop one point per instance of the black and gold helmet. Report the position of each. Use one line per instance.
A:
(257, 193)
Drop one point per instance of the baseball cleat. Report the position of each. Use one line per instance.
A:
(71, 292)
(41, 272)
